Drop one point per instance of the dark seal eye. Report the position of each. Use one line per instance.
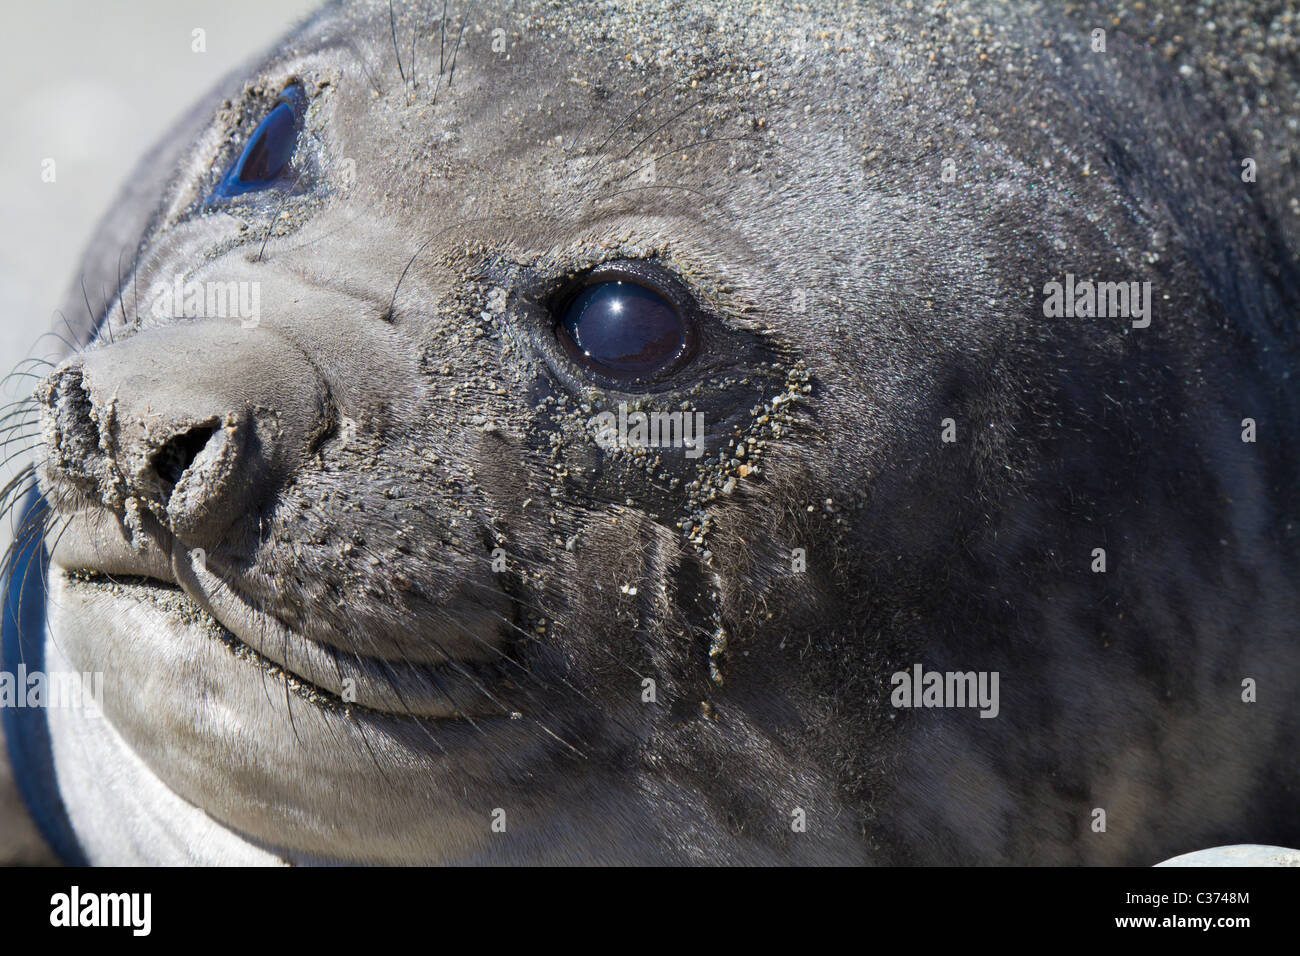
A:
(268, 150)
(622, 330)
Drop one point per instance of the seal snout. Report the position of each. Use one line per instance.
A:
(196, 424)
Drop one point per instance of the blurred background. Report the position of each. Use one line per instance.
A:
(91, 84)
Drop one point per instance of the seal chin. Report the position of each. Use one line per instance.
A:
(181, 591)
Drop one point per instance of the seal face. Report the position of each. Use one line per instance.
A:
(505, 445)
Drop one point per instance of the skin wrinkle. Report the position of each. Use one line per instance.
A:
(851, 299)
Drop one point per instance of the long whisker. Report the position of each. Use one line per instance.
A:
(392, 24)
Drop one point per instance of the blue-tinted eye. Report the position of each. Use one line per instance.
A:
(267, 152)
(622, 330)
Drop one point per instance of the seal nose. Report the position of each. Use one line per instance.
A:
(196, 423)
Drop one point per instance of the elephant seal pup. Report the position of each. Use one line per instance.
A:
(678, 433)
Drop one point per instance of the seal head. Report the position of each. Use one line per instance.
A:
(517, 438)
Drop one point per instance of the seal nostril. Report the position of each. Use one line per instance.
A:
(180, 451)
(72, 391)
(68, 400)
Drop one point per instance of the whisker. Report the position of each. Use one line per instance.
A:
(392, 24)
(275, 218)
(451, 74)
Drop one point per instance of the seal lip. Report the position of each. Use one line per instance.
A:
(440, 699)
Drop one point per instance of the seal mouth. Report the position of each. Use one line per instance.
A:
(359, 683)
